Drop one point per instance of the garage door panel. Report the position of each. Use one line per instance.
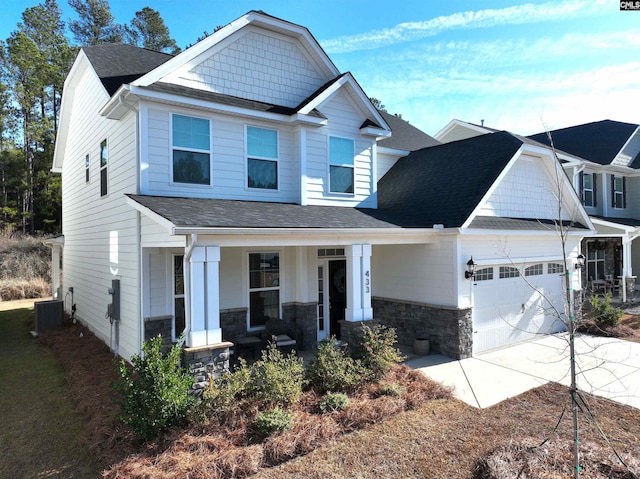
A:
(510, 310)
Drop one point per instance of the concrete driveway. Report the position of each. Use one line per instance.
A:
(605, 367)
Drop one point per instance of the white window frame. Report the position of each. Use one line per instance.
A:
(585, 189)
(104, 167)
(341, 165)
(249, 157)
(250, 290)
(618, 194)
(208, 152)
(595, 257)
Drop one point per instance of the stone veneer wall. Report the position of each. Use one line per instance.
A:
(206, 362)
(158, 325)
(302, 318)
(233, 323)
(450, 330)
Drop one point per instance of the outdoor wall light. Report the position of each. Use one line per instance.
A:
(580, 263)
(471, 269)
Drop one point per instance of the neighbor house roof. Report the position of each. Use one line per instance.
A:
(599, 142)
(117, 64)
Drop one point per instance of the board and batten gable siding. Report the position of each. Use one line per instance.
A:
(100, 232)
(344, 121)
(228, 159)
(528, 190)
(257, 65)
(423, 273)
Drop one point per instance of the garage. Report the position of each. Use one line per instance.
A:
(515, 303)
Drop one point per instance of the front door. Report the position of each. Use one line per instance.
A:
(337, 289)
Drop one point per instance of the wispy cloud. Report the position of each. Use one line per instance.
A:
(516, 15)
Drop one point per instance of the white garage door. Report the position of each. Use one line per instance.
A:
(508, 310)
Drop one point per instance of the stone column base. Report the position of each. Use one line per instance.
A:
(206, 362)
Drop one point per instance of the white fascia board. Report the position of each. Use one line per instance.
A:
(493, 187)
(614, 225)
(378, 133)
(393, 151)
(161, 220)
(188, 230)
(498, 232)
(347, 80)
(115, 110)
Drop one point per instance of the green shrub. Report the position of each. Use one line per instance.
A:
(392, 389)
(272, 421)
(603, 313)
(155, 390)
(334, 402)
(377, 350)
(333, 369)
(276, 379)
(230, 391)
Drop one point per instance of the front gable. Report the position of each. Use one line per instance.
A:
(533, 187)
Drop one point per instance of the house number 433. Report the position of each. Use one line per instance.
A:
(367, 282)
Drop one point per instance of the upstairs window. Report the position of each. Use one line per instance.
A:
(341, 165)
(262, 158)
(618, 191)
(104, 160)
(191, 150)
(86, 169)
(588, 188)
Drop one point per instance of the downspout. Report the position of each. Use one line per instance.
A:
(187, 286)
(130, 107)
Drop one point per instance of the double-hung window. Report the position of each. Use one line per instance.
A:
(264, 288)
(262, 158)
(588, 189)
(191, 150)
(104, 159)
(341, 165)
(618, 191)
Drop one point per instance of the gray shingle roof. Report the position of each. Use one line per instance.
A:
(405, 136)
(216, 213)
(117, 64)
(500, 223)
(598, 142)
(623, 221)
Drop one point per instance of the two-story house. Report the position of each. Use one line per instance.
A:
(247, 178)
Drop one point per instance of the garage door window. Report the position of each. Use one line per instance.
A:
(484, 274)
(535, 270)
(509, 272)
(555, 268)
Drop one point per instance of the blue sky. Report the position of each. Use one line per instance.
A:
(519, 66)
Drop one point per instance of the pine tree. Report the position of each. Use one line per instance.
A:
(148, 30)
(96, 24)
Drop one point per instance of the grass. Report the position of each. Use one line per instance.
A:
(42, 435)
(437, 439)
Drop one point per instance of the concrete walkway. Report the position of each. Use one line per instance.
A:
(605, 367)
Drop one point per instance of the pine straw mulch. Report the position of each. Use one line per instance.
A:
(423, 438)
(208, 450)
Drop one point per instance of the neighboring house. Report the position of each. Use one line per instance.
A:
(608, 182)
(247, 178)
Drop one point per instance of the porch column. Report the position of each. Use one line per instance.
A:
(358, 283)
(627, 269)
(204, 295)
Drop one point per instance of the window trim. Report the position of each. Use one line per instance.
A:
(618, 196)
(173, 148)
(104, 181)
(341, 165)
(249, 157)
(249, 289)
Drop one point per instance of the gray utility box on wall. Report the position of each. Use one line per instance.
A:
(49, 315)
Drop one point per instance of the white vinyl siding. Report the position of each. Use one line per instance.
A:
(102, 245)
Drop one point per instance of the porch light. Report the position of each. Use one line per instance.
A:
(471, 269)
(580, 263)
